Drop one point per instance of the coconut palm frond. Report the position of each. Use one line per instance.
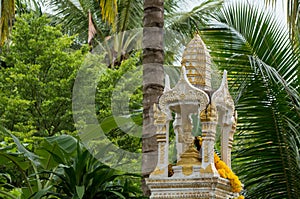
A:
(189, 22)
(130, 15)
(73, 16)
(262, 66)
(293, 14)
(109, 10)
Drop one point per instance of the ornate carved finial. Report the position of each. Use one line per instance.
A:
(197, 61)
(159, 116)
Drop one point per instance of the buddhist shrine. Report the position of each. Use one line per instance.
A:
(199, 172)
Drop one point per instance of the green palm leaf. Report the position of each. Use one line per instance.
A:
(293, 16)
(130, 15)
(73, 16)
(189, 22)
(263, 67)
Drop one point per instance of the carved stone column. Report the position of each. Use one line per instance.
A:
(227, 140)
(225, 107)
(209, 123)
(225, 149)
(162, 136)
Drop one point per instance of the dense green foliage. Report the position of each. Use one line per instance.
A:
(119, 94)
(121, 81)
(60, 166)
(37, 78)
(39, 66)
(38, 70)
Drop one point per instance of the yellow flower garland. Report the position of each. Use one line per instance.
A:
(225, 172)
(240, 197)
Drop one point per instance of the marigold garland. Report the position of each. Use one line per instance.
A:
(240, 197)
(225, 172)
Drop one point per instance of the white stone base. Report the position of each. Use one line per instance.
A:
(190, 188)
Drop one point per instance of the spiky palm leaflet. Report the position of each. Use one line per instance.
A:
(263, 66)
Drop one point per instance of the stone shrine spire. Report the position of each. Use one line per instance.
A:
(196, 60)
(199, 173)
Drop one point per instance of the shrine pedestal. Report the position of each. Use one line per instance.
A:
(190, 188)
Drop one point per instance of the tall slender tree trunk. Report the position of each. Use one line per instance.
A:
(153, 77)
(7, 15)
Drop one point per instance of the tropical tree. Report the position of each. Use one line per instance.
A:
(37, 75)
(73, 16)
(129, 16)
(153, 76)
(21, 163)
(108, 16)
(293, 17)
(263, 73)
(119, 98)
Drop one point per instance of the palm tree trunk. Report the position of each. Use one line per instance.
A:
(7, 14)
(153, 76)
